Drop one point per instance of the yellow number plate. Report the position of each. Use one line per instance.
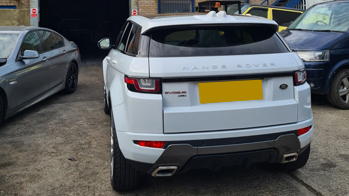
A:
(244, 90)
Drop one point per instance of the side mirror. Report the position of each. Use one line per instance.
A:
(30, 54)
(3, 61)
(104, 44)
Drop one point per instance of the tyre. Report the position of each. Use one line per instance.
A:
(71, 81)
(123, 177)
(339, 91)
(2, 109)
(301, 161)
(106, 107)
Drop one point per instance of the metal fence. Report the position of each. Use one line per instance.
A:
(176, 6)
(301, 5)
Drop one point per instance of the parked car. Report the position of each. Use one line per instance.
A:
(321, 38)
(35, 63)
(203, 91)
(284, 16)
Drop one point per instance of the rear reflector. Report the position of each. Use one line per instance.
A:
(151, 144)
(303, 131)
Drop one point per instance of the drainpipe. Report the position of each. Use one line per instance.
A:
(133, 6)
(34, 21)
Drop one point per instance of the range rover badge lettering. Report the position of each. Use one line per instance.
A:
(249, 66)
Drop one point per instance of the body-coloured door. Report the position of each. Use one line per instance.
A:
(32, 75)
(54, 49)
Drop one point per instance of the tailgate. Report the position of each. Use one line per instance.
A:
(230, 94)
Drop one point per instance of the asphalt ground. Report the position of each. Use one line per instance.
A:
(61, 147)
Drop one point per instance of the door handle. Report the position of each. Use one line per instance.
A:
(108, 58)
(45, 59)
(64, 52)
(114, 62)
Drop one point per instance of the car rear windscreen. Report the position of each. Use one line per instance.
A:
(214, 41)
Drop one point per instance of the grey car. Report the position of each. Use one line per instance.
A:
(35, 63)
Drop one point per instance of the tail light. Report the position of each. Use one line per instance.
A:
(303, 130)
(151, 144)
(143, 85)
(300, 77)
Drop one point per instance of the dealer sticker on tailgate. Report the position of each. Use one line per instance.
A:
(244, 90)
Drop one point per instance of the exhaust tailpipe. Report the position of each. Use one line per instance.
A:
(289, 157)
(164, 171)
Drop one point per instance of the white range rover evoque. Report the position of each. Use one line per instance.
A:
(203, 91)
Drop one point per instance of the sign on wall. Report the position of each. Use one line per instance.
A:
(34, 12)
(134, 12)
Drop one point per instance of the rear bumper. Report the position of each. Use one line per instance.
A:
(187, 157)
(246, 146)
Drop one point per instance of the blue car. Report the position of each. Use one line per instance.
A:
(320, 37)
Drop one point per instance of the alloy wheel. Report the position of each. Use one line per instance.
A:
(73, 77)
(344, 90)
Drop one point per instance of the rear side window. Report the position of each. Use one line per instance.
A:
(285, 18)
(124, 37)
(118, 38)
(259, 12)
(60, 41)
(49, 40)
(133, 41)
(215, 40)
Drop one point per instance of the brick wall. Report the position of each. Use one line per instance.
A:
(147, 7)
(15, 17)
(20, 4)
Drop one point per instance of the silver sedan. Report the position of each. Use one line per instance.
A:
(35, 63)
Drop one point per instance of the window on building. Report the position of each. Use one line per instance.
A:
(176, 6)
(8, 7)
